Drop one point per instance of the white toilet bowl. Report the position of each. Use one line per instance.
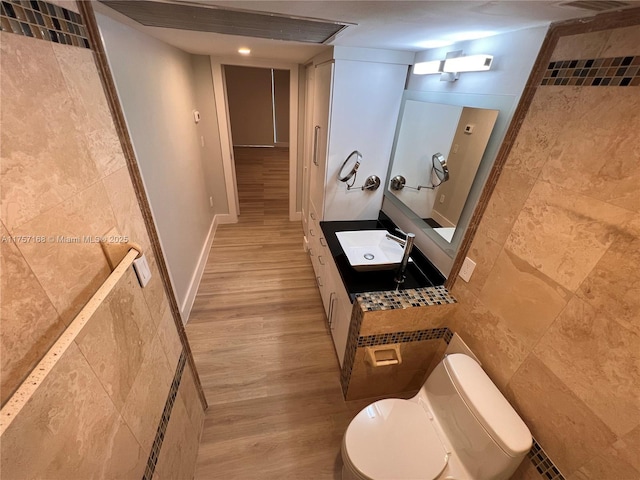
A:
(459, 426)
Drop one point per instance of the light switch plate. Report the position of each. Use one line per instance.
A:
(141, 266)
(467, 269)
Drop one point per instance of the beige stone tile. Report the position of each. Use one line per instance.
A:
(489, 337)
(526, 471)
(154, 292)
(543, 125)
(622, 42)
(505, 204)
(43, 161)
(599, 151)
(91, 114)
(627, 448)
(30, 324)
(613, 286)
(117, 337)
(563, 234)
(525, 299)
(368, 381)
(169, 338)
(180, 447)
(407, 319)
(145, 402)
(69, 269)
(597, 359)
(582, 45)
(70, 429)
(484, 252)
(567, 429)
(605, 466)
(126, 209)
(191, 399)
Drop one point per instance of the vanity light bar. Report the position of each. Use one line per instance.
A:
(426, 68)
(471, 63)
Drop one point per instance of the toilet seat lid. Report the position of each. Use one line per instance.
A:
(392, 439)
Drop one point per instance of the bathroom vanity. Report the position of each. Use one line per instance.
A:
(386, 339)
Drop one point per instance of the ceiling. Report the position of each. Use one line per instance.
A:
(396, 25)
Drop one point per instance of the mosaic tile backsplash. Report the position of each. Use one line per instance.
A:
(595, 72)
(418, 297)
(43, 20)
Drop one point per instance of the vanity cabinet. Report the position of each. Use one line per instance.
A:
(335, 299)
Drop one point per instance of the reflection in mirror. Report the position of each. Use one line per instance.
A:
(433, 139)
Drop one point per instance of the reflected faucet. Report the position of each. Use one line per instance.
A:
(408, 246)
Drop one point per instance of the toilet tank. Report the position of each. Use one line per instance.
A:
(484, 430)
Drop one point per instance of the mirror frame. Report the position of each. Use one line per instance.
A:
(506, 105)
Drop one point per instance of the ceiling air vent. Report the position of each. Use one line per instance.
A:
(229, 22)
(596, 5)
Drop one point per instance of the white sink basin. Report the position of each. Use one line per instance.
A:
(370, 250)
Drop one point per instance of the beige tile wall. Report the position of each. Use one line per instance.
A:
(63, 173)
(553, 309)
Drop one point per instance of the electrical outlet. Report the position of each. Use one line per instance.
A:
(442, 198)
(467, 269)
(211, 201)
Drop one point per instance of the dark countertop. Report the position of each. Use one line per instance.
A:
(420, 272)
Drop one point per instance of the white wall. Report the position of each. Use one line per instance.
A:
(210, 130)
(364, 112)
(514, 55)
(156, 85)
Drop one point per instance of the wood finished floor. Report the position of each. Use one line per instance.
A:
(257, 330)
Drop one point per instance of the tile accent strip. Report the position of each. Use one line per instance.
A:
(352, 346)
(543, 463)
(404, 337)
(417, 297)
(164, 420)
(354, 342)
(602, 72)
(43, 20)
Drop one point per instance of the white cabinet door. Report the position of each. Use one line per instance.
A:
(339, 315)
(319, 134)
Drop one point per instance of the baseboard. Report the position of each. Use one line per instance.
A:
(225, 218)
(187, 305)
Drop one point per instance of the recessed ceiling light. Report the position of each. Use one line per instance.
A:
(244, 51)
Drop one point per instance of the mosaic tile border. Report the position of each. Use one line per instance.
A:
(350, 351)
(43, 20)
(418, 297)
(543, 463)
(164, 420)
(602, 72)
(405, 337)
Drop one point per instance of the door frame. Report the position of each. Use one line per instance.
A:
(222, 109)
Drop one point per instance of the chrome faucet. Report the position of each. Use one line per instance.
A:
(408, 246)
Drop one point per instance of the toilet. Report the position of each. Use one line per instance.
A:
(458, 427)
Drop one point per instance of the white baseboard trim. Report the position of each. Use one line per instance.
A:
(187, 305)
(225, 218)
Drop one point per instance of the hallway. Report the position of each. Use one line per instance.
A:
(258, 335)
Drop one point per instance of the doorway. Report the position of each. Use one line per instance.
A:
(258, 108)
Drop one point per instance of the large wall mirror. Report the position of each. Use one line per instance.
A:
(459, 133)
